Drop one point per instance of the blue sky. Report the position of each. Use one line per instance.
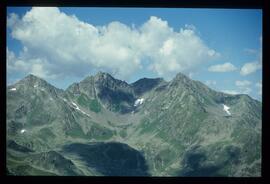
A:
(220, 47)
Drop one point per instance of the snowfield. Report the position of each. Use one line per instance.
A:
(13, 89)
(226, 109)
(139, 101)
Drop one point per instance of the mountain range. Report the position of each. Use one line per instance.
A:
(102, 126)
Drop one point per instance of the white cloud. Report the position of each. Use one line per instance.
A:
(246, 90)
(14, 64)
(190, 26)
(232, 92)
(33, 65)
(12, 20)
(249, 68)
(226, 67)
(243, 83)
(259, 86)
(210, 82)
(243, 86)
(191, 74)
(57, 44)
(239, 91)
(251, 51)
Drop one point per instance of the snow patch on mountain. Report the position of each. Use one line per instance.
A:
(139, 101)
(35, 86)
(13, 89)
(22, 131)
(226, 109)
(77, 108)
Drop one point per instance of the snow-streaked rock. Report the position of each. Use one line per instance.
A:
(226, 109)
(77, 108)
(22, 131)
(139, 101)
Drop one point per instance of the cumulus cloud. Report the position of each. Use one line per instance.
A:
(211, 82)
(259, 87)
(226, 67)
(246, 90)
(242, 87)
(243, 83)
(249, 68)
(22, 64)
(56, 44)
(241, 91)
(232, 92)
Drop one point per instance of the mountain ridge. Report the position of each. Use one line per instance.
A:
(98, 74)
(177, 128)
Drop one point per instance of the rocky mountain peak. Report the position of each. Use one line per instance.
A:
(181, 77)
(105, 80)
(32, 80)
(181, 80)
(103, 76)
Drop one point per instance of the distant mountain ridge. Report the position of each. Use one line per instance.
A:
(176, 128)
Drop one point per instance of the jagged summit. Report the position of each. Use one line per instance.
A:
(30, 82)
(102, 74)
(146, 84)
(33, 80)
(32, 77)
(181, 77)
(99, 76)
(106, 79)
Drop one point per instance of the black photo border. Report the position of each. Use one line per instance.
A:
(222, 4)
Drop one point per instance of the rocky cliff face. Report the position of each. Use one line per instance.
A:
(158, 128)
